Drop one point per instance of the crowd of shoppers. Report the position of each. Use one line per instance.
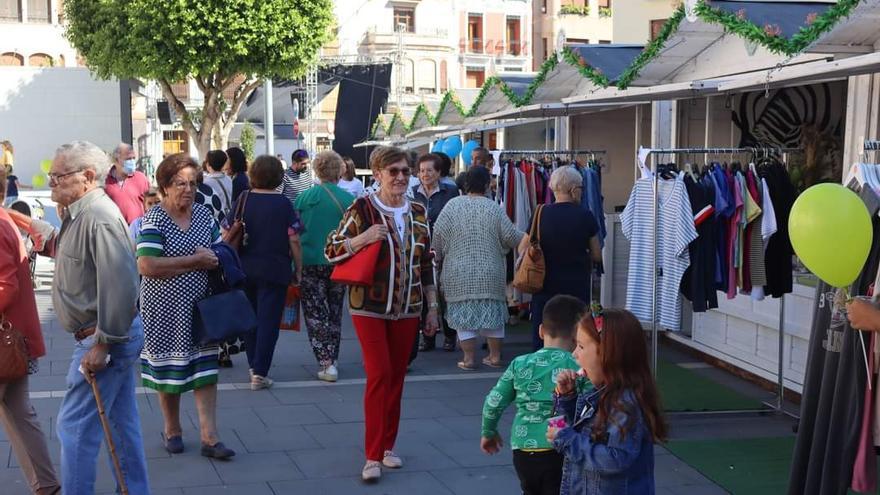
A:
(441, 265)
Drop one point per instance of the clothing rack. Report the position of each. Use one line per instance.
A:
(872, 145)
(645, 153)
(553, 152)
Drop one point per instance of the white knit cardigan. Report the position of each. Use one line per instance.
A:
(471, 238)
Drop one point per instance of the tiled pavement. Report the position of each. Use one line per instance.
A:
(304, 436)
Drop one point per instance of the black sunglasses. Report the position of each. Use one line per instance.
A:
(394, 171)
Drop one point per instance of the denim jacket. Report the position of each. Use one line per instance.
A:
(620, 466)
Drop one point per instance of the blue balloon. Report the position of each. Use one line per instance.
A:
(452, 146)
(466, 151)
(438, 146)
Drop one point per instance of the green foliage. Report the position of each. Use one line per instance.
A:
(652, 50)
(178, 39)
(420, 110)
(604, 11)
(450, 98)
(248, 140)
(769, 36)
(547, 67)
(575, 10)
(592, 73)
(380, 123)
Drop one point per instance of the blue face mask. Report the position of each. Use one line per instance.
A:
(129, 166)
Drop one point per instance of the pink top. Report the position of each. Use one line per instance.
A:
(128, 195)
(16, 288)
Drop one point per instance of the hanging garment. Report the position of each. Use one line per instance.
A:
(752, 218)
(779, 251)
(675, 231)
(733, 238)
(864, 475)
(725, 207)
(591, 199)
(698, 282)
(755, 250)
(834, 384)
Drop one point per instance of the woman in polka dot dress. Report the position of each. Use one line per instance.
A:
(174, 258)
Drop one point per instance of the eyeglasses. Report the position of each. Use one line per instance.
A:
(53, 177)
(395, 171)
(185, 185)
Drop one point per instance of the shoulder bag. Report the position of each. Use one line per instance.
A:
(531, 270)
(13, 353)
(360, 268)
(236, 234)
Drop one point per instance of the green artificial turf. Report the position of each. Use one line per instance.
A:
(753, 466)
(682, 389)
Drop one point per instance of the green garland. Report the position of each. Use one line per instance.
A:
(652, 50)
(379, 121)
(536, 83)
(768, 36)
(421, 109)
(450, 98)
(492, 82)
(397, 119)
(574, 10)
(593, 74)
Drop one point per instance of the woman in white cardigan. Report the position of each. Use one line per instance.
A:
(471, 239)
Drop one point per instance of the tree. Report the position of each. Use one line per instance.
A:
(226, 46)
(248, 140)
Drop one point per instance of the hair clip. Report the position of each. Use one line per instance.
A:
(598, 316)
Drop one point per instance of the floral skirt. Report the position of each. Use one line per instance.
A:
(479, 314)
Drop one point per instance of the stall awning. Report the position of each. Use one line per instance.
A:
(543, 111)
(808, 73)
(857, 33)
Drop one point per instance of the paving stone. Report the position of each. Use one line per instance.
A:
(479, 481)
(306, 395)
(275, 439)
(254, 468)
(424, 408)
(467, 453)
(329, 486)
(339, 434)
(189, 469)
(406, 483)
(329, 463)
(292, 415)
(421, 456)
(248, 489)
(352, 412)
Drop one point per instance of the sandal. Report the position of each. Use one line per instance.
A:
(491, 364)
(466, 367)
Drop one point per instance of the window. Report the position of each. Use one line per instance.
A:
(11, 59)
(514, 38)
(407, 84)
(577, 41)
(656, 27)
(427, 77)
(38, 11)
(544, 48)
(405, 16)
(475, 33)
(40, 60)
(180, 90)
(605, 3)
(475, 78)
(444, 75)
(604, 42)
(10, 11)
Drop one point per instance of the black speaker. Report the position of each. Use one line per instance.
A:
(163, 109)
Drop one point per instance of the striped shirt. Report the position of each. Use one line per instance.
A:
(675, 231)
(295, 183)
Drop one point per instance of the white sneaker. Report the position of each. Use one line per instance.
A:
(261, 382)
(372, 471)
(392, 460)
(328, 374)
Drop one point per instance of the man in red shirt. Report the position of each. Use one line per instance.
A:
(125, 185)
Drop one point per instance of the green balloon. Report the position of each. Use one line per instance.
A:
(38, 180)
(45, 166)
(830, 230)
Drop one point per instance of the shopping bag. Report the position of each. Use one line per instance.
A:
(290, 314)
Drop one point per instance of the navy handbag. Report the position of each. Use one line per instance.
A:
(227, 313)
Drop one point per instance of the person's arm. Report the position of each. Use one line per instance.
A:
(116, 281)
(613, 457)
(349, 237)
(595, 249)
(42, 233)
(296, 253)
(511, 238)
(863, 315)
(493, 407)
(152, 263)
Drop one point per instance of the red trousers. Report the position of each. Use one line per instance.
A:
(386, 346)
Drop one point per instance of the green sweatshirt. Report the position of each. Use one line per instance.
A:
(529, 380)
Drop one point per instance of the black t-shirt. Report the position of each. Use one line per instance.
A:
(566, 230)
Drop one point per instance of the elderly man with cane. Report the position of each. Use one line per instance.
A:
(94, 294)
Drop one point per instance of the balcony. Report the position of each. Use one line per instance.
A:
(475, 45)
(381, 39)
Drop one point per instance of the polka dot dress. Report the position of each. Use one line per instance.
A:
(170, 361)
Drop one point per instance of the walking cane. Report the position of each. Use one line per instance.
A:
(107, 434)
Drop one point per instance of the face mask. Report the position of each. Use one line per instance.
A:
(128, 166)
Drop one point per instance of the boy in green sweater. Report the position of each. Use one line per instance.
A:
(530, 380)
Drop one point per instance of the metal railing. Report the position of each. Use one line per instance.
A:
(475, 45)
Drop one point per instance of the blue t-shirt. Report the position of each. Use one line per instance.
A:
(265, 252)
(566, 230)
(240, 183)
(11, 186)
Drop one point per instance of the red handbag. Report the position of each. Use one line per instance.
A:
(360, 268)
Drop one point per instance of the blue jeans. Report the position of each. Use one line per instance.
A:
(79, 426)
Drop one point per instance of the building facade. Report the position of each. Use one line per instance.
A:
(595, 21)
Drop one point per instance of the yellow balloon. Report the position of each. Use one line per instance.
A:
(38, 180)
(45, 166)
(830, 230)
